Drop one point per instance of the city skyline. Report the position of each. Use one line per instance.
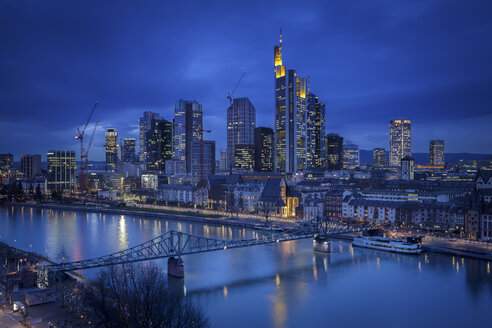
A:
(352, 86)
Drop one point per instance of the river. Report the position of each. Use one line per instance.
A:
(278, 285)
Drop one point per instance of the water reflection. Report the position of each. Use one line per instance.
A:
(279, 285)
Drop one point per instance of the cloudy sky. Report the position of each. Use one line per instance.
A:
(369, 61)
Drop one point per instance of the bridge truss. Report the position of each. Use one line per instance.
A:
(175, 243)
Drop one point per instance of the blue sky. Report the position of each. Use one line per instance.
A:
(369, 61)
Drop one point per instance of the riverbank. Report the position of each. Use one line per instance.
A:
(156, 214)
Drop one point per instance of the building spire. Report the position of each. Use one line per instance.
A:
(280, 35)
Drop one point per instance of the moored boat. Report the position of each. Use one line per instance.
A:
(388, 244)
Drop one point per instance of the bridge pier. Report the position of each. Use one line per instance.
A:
(175, 267)
(321, 244)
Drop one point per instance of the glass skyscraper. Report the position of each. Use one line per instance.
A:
(351, 156)
(400, 141)
(111, 147)
(290, 116)
(145, 124)
(241, 122)
(129, 150)
(188, 128)
(334, 151)
(436, 152)
(315, 132)
(159, 145)
(264, 149)
(378, 157)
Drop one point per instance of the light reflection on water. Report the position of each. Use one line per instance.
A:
(279, 285)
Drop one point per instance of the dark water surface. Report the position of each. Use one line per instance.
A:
(281, 285)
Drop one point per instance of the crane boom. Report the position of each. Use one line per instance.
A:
(92, 138)
(89, 118)
(229, 96)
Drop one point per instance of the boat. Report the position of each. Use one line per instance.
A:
(409, 246)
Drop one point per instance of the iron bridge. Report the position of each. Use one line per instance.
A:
(175, 243)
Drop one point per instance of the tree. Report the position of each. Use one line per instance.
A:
(20, 189)
(138, 296)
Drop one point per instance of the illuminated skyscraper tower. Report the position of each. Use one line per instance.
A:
(241, 123)
(290, 116)
(315, 132)
(436, 152)
(400, 139)
(111, 147)
(188, 128)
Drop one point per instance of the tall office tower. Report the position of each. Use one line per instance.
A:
(378, 157)
(203, 159)
(30, 165)
(290, 116)
(315, 132)
(159, 145)
(223, 160)
(400, 140)
(61, 170)
(264, 150)
(241, 123)
(111, 147)
(436, 152)
(6, 161)
(350, 156)
(129, 150)
(334, 151)
(145, 123)
(244, 157)
(188, 128)
(407, 168)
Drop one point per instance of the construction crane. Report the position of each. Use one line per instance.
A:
(229, 95)
(84, 153)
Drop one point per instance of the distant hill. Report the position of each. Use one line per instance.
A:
(423, 158)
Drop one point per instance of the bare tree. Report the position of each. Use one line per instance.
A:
(138, 296)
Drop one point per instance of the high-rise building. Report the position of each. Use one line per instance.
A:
(111, 147)
(241, 123)
(436, 152)
(315, 132)
(400, 141)
(145, 124)
(351, 156)
(334, 151)
(129, 150)
(159, 145)
(61, 170)
(223, 164)
(6, 161)
(244, 157)
(203, 159)
(188, 128)
(407, 168)
(378, 157)
(264, 149)
(30, 165)
(290, 116)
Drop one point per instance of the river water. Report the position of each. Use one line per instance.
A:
(280, 285)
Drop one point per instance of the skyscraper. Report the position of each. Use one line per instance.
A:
(129, 150)
(111, 147)
(378, 157)
(6, 161)
(241, 123)
(30, 165)
(244, 157)
(400, 141)
(203, 159)
(334, 151)
(159, 145)
(315, 131)
(351, 156)
(264, 149)
(145, 124)
(61, 170)
(436, 152)
(290, 116)
(188, 128)
(223, 164)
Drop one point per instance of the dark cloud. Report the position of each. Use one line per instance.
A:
(369, 61)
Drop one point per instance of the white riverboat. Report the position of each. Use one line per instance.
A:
(388, 244)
